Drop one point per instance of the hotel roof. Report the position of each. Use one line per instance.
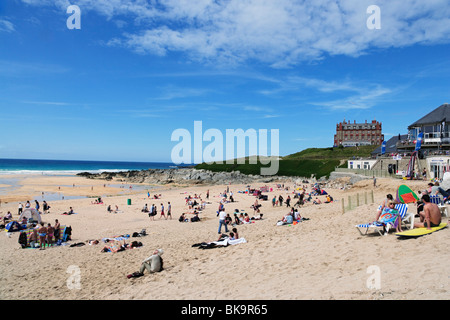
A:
(438, 115)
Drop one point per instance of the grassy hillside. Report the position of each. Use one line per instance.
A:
(332, 153)
(317, 161)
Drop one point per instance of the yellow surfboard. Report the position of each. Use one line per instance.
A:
(417, 232)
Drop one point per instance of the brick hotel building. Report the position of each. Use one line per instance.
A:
(358, 134)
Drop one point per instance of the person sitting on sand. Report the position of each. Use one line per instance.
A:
(384, 204)
(430, 216)
(154, 263)
(317, 201)
(287, 219)
(236, 234)
(195, 218)
(7, 217)
(34, 238)
(183, 218)
(70, 211)
(45, 207)
(236, 219)
(297, 215)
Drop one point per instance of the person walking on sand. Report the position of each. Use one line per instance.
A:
(169, 210)
(162, 212)
(152, 212)
(222, 221)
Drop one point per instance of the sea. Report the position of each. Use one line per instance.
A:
(72, 167)
(10, 169)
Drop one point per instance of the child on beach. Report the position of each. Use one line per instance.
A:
(42, 232)
(50, 232)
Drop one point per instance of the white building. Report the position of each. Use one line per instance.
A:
(365, 164)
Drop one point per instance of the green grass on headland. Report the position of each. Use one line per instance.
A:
(332, 153)
(313, 161)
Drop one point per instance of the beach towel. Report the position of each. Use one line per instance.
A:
(236, 241)
(389, 217)
(217, 244)
(119, 238)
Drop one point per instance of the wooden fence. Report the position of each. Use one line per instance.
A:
(356, 200)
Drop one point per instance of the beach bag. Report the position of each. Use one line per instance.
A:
(135, 275)
(23, 239)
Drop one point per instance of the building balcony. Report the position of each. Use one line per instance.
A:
(427, 143)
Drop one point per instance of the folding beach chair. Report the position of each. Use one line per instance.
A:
(377, 226)
(437, 199)
(383, 228)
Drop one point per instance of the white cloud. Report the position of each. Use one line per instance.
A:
(6, 26)
(279, 33)
(365, 98)
(352, 94)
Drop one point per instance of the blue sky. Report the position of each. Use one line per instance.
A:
(136, 71)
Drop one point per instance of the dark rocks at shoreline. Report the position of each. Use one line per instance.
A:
(182, 176)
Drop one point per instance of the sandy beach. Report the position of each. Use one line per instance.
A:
(324, 257)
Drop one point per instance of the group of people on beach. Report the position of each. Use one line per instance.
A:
(37, 206)
(428, 213)
(44, 235)
(153, 211)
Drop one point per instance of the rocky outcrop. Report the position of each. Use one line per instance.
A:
(353, 177)
(182, 176)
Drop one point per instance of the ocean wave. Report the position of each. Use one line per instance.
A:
(57, 172)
